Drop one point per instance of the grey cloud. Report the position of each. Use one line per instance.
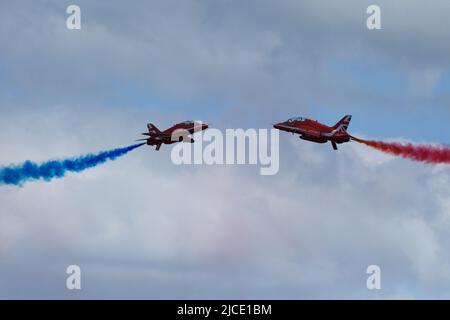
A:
(255, 55)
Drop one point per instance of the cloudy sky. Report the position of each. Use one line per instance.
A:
(142, 227)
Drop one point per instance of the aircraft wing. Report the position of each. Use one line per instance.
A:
(162, 136)
(312, 133)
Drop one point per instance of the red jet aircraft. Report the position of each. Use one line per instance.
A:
(314, 131)
(177, 133)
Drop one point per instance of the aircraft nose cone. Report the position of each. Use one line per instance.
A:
(277, 125)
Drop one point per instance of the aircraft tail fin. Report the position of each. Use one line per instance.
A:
(152, 129)
(343, 124)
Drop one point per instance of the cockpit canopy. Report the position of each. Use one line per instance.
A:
(189, 123)
(296, 119)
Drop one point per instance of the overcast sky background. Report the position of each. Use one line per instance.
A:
(141, 227)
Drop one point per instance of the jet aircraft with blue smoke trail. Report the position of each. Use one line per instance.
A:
(180, 132)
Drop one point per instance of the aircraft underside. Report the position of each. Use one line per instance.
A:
(313, 139)
(334, 141)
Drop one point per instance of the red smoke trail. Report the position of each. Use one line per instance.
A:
(424, 153)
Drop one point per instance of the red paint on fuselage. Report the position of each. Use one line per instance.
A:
(177, 133)
(315, 131)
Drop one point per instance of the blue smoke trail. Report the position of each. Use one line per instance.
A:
(19, 174)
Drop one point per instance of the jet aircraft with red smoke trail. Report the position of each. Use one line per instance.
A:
(180, 132)
(312, 130)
